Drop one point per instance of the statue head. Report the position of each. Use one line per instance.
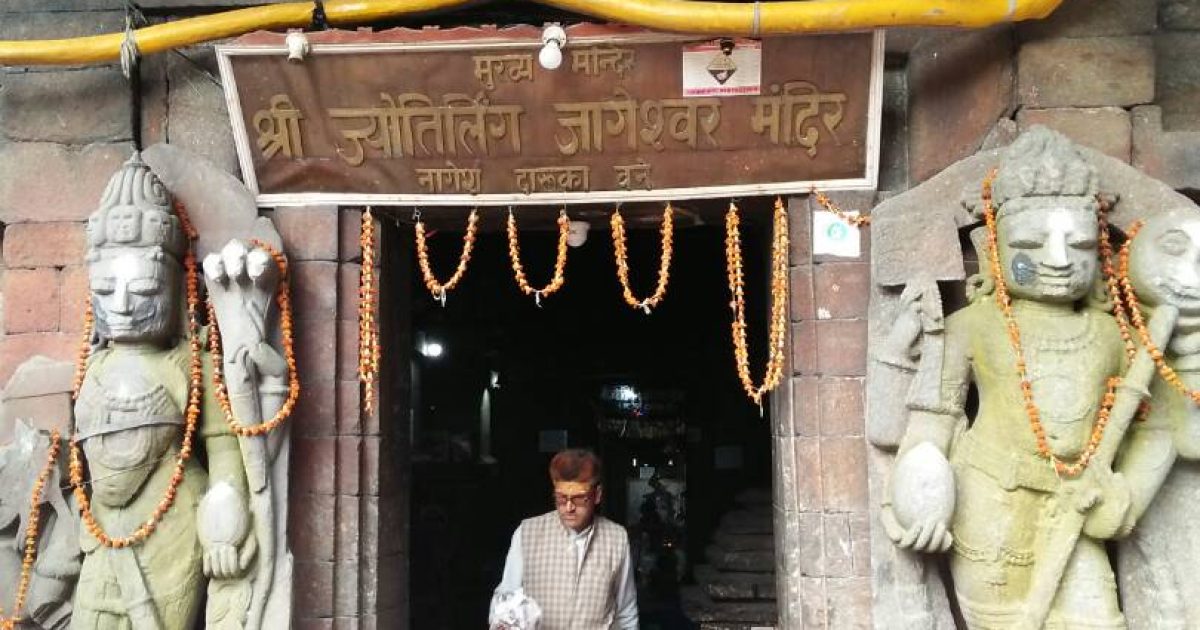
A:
(1164, 261)
(135, 245)
(1047, 230)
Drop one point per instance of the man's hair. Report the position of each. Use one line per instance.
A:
(576, 464)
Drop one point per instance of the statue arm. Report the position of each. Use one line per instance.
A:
(1145, 461)
(936, 419)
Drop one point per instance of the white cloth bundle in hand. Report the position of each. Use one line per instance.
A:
(514, 610)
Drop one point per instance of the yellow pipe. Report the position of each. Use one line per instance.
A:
(718, 18)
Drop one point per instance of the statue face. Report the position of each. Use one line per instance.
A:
(135, 295)
(1164, 261)
(1048, 249)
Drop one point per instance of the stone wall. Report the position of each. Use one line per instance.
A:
(1117, 75)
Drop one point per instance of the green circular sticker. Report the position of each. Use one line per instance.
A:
(836, 231)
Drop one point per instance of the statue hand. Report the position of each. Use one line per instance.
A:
(225, 561)
(1108, 498)
(929, 536)
(1162, 324)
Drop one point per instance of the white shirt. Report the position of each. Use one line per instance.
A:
(627, 610)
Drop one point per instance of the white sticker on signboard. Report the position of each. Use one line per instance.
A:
(834, 237)
(710, 70)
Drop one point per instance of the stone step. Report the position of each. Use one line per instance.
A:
(747, 561)
(702, 609)
(754, 497)
(725, 625)
(756, 521)
(744, 542)
(721, 586)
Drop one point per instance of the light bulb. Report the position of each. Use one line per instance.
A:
(551, 56)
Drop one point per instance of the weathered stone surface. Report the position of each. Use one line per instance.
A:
(1001, 135)
(839, 560)
(313, 458)
(721, 585)
(309, 232)
(53, 182)
(802, 293)
(314, 588)
(844, 474)
(893, 150)
(49, 19)
(965, 77)
(849, 603)
(841, 406)
(312, 517)
(800, 230)
(219, 205)
(1093, 18)
(1086, 72)
(1106, 129)
(199, 120)
(1179, 14)
(1172, 156)
(53, 244)
(841, 290)
(33, 300)
(804, 347)
(808, 473)
(1177, 79)
(841, 347)
(314, 289)
(15, 348)
(39, 393)
(701, 608)
(805, 406)
(45, 106)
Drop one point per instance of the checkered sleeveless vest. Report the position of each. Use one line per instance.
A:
(583, 599)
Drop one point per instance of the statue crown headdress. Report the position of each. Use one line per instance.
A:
(135, 211)
(1043, 163)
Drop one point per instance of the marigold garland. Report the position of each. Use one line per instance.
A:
(560, 261)
(664, 264)
(439, 289)
(1004, 301)
(221, 391)
(195, 389)
(85, 346)
(368, 330)
(32, 532)
(779, 301)
(857, 220)
(1139, 322)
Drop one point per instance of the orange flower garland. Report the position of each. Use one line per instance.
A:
(664, 264)
(436, 288)
(85, 346)
(857, 220)
(1004, 301)
(560, 262)
(1135, 313)
(779, 301)
(32, 528)
(368, 331)
(195, 389)
(289, 355)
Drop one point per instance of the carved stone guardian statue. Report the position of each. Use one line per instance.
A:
(161, 528)
(1022, 494)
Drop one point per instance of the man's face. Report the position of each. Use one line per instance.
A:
(1048, 249)
(576, 503)
(134, 295)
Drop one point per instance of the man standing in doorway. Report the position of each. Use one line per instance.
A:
(574, 563)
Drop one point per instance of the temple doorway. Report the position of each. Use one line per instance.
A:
(498, 384)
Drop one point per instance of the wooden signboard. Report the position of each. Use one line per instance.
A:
(469, 116)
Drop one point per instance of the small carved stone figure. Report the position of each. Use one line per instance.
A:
(1161, 458)
(1026, 538)
(56, 566)
(131, 417)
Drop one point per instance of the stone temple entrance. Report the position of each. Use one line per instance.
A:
(499, 384)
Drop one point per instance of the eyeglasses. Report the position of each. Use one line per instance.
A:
(578, 500)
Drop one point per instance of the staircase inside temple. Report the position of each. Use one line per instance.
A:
(735, 589)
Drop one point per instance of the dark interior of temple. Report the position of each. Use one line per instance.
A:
(500, 384)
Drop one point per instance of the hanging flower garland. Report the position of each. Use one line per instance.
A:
(560, 261)
(439, 289)
(1004, 301)
(857, 220)
(664, 264)
(32, 531)
(220, 390)
(368, 302)
(195, 389)
(777, 337)
(1139, 322)
(85, 346)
